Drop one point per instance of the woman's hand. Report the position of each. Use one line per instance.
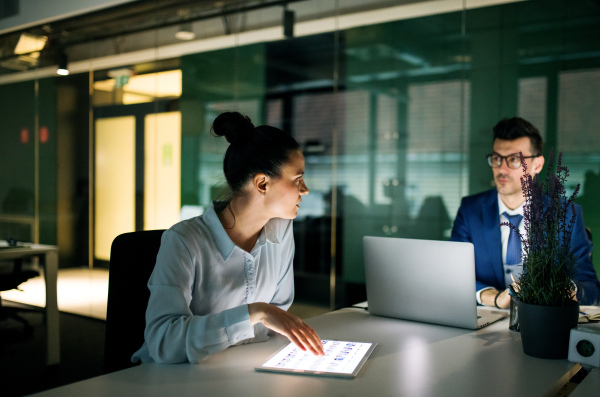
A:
(286, 324)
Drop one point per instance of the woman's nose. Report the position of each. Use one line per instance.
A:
(303, 189)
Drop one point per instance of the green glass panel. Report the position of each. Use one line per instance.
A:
(403, 158)
(48, 165)
(17, 162)
(21, 104)
(214, 82)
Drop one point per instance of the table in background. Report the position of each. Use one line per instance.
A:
(411, 359)
(50, 254)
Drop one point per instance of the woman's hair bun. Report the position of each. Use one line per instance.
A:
(233, 126)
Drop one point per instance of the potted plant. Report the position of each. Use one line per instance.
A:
(545, 291)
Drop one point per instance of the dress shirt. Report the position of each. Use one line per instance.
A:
(504, 234)
(477, 222)
(202, 284)
(514, 270)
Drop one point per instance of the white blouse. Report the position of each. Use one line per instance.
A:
(202, 284)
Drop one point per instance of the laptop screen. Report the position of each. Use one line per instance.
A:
(421, 280)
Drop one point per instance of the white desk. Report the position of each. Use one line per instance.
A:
(590, 386)
(50, 254)
(412, 359)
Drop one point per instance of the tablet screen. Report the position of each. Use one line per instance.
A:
(342, 358)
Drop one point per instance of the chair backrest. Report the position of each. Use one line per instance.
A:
(132, 259)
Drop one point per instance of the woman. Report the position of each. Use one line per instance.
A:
(226, 277)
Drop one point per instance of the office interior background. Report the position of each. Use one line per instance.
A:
(393, 103)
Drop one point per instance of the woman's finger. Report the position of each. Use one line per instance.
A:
(311, 340)
(315, 341)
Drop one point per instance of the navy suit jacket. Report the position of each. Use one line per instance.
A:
(478, 222)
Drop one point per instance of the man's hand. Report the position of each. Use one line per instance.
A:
(488, 296)
(284, 323)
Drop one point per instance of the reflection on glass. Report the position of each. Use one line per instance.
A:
(126, 88)
(394, 117)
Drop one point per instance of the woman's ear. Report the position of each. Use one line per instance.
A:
(260, 182)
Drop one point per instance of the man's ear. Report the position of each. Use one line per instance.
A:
(538, 164)
(260, 183)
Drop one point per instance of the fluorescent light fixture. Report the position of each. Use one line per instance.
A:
(301, 29)
(146, 87)
(30, 43)
(158, 85)
(185, 32)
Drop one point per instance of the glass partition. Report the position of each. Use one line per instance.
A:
(403, 160)
(214, 82)
(393, 105)
(28, 173)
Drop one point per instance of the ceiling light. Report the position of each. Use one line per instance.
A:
(185, 32)
(30, 43)
(152, 85)
(288, 23)
(63, 69)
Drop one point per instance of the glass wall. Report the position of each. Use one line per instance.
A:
(394, 117)
(28, 159)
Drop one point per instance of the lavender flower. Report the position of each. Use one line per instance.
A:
(549, 217)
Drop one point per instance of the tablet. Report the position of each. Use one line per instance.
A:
(342, 359)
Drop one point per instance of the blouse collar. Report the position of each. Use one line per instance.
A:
(223, 242)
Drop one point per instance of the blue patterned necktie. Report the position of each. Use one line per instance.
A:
(513, 248)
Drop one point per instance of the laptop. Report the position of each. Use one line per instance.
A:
(424, 280)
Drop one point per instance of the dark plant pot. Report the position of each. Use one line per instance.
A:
(545, 330)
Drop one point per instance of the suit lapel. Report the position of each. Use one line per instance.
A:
(491, 220)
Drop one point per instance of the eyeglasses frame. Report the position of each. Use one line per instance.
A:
(505, 158)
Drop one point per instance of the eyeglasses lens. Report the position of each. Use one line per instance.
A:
(514, 162)
(495, 161)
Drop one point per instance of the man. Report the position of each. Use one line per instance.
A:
(497, 258)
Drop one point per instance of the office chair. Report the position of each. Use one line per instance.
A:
(132, 259)
(12, 280)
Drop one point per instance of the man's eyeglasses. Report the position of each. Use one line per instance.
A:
(512, 160)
